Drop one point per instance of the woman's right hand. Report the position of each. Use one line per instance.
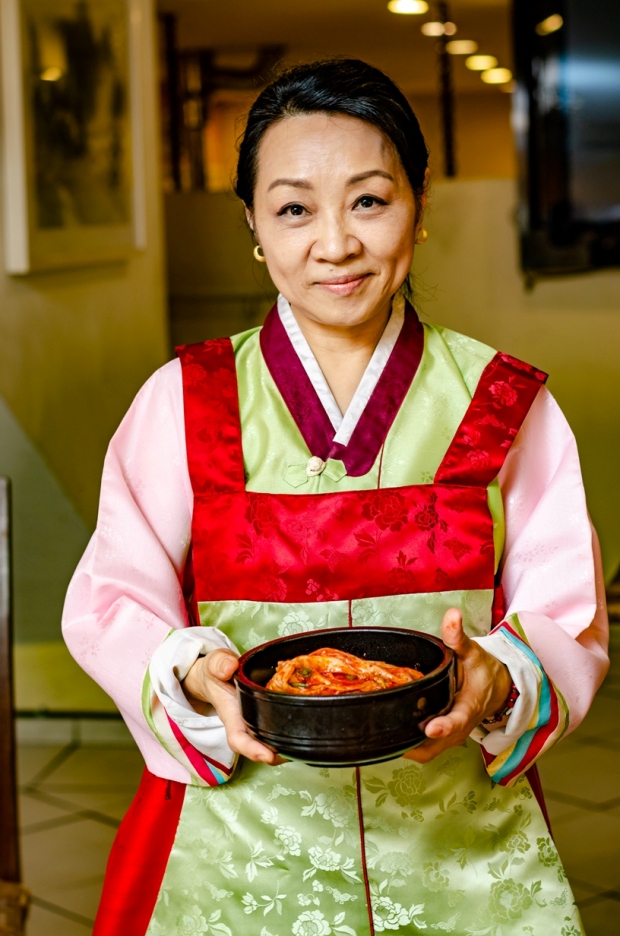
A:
(208, 683)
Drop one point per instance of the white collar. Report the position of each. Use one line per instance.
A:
(344, 426)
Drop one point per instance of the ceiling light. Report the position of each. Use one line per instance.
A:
(432, 29)
(481, 62)
(550, 25)
(496, 76)
(411, 7)
(462, 47)
(53, 73)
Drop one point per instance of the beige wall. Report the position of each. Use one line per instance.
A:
(215, 285)
(484, 142)
(76, 345)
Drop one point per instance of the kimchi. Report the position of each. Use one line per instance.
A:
(332, 672)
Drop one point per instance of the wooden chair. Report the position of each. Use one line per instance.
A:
(14, 898)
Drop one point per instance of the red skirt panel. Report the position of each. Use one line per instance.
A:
(139, 856)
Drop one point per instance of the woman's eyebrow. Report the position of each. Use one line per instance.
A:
(361, 177)
(295, 183)
(367, 175)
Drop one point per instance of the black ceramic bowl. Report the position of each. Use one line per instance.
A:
(347, 730)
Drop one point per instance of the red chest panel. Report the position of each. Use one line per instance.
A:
(355, 544)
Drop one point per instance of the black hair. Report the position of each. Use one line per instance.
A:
(334, 86)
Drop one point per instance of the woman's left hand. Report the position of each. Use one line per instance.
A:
(482, 683)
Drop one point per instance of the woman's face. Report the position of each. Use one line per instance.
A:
(335, 216)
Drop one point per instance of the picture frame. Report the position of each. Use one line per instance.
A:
(73, 161)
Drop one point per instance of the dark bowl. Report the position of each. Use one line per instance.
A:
(353, 729)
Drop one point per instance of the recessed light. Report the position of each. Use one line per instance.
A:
(462, 47)
(481, 62)
(410, 7)
(550, 25)
(53, 73)
(432, 29)
(496, 76)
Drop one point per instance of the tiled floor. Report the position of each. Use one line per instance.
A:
(73, 796)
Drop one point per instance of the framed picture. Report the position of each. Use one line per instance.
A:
(73, 151)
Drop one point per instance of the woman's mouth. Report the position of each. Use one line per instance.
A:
(344, 285)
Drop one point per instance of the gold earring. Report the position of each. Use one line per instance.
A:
(258, 255)
(422, 236)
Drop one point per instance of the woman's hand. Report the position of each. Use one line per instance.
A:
(208, 683)
(483, 685)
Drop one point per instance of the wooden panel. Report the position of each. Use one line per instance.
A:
(9, 853)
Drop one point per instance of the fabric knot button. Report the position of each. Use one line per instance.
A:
(315, 466)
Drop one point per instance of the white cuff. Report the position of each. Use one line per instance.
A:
(169, 665)
(527, 678)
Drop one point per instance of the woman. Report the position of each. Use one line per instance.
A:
(343, 465)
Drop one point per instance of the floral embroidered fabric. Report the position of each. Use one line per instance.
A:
(389, 847)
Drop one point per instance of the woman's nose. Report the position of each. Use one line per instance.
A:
(334, 242)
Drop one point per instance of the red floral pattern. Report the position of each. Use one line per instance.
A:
(388, 509)
(353, 544)
(434, 530)
(212, 424)
(505, 392)
(260, 514)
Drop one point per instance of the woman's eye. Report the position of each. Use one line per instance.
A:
(369, 201)
(295, 211)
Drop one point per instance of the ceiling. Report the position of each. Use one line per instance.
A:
(359, 28)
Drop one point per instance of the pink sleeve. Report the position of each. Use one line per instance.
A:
(552, 573)
(126, 594)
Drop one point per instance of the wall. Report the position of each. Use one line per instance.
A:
(468, 279)
(75, 346)
(48, 535)
(215, 285)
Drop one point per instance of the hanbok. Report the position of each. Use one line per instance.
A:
(239, 505)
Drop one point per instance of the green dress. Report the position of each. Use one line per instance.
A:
(450, 846)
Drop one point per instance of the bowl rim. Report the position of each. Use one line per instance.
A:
(241, 680)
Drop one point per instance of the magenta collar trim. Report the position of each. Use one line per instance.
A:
(289, 376)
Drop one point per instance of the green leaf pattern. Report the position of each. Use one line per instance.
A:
(276, 851)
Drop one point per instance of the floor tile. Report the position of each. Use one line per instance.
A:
(583, 893)
(589, 774)
(601, 918)
(113, 804)
(33, 810)
(75, 880)
(44, 732)
(603, 716)
(589, 845)
(559, 812)
(30, 760)
(609, 738)
(99, 768)
(42, 922)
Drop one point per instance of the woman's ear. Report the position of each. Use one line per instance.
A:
(249, 217)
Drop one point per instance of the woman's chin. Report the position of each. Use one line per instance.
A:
(341, 310)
